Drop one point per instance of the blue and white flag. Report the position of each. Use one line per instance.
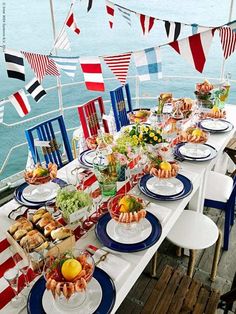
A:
(126, 15)
(66, 64)
(1, 114)
(148, 63)
(194, 29)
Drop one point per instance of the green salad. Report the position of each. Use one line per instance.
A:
(71, 201)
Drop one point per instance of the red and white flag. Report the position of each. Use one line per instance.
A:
(119, 65)
(110, 7)
(147, 22)
(228, 41)
(91, 67)
(194, 49)
(20, 102)
(71, 23)
(38, 63)
(52, 68)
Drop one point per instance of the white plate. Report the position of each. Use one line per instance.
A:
(40, 193)
(89, 306)
(134, 233)
(165, 187)
(89, 156)
(195, 150)
(214, 125)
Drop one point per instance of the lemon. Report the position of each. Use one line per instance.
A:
(70, 269)
(215, 109)
(126, 203)
(165, 165)
(40, 172)
(197, 132)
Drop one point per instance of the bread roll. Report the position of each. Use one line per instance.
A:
(38, 215)
(51, 226)
(43, 246)
(19, 234)
(12, 229)
(44, 221)
(61, 233)
(26, 238)
(27, 226)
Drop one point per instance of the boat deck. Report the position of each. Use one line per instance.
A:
(140, 292)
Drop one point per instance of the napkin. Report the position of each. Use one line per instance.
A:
(113, 265)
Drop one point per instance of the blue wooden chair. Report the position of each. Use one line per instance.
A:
(120, 107)
(45, 132)
(220, 194)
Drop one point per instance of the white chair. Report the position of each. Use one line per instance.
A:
(196, 231)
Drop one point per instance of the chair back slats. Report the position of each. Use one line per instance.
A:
(90, 114)
(45, 132)
(120, 109)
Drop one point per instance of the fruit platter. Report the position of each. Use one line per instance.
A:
(161, 168)
(139, 116)
(41, 174)
(127, 209)
(193, 135)
(94, 140)
(69, 274)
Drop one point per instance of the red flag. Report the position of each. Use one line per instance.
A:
(70, 22)
(110, 11)
(228, 41)
(38, 63)
(147, 23)
(91, 67)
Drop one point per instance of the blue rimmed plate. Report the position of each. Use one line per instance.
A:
(18, 195)
(86, 158)
(212, 155)
(216, 125)
(185, 192)
(35, 306)
(103, 237)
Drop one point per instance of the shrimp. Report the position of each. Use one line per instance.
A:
(80, 285)
(81, 274)
(58, 289)
(82, 259)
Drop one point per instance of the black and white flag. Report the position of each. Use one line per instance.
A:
(35, 89)
(15, 64)
(126, 15)
(173, 30)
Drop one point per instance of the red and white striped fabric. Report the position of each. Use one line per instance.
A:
(52, 68)
(119, 65)
(71, 23)
(20, 102)
(194, 49)
(147, 22)
(228, 41)
(110, 8)
(38, 63)
(92, 69)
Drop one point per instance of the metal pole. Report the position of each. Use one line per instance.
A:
(59, 88)
(229, 20)
(137, 91)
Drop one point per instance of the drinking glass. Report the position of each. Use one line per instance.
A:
(97, 199)
(11, 276)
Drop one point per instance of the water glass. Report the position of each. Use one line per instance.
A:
(11, 276)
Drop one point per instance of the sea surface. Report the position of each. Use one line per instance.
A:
(29, 28)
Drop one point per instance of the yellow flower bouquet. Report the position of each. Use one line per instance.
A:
(145, 134)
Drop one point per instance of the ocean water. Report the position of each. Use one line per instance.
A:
(29, 28)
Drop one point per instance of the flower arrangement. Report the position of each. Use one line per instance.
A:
(145, 134)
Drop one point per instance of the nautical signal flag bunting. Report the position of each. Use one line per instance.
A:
(15, 64)
(20, 102)
(92, 70)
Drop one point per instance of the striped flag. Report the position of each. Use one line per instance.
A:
(15, 64)
(148, 63)
(119, 65)
(90, 4)
(20, 102)
(173, 30)
(62, 41)
(35, 89)
(66, 64)
(228, 41)
(110, 8)
(1, 114)
(126, 15)
(71, 23)
(52, 68)
(194, 49)
(91, 67)
(147, 23)
(38, 63)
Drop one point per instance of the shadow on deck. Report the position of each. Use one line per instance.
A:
(143, 287)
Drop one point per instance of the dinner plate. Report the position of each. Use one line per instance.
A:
(134, 233)
(106, 240)
(89, 306)
(229, 126)
(177, 153)
(35, 306)
(86, 157)
(186, 191)
(34, 193)
(165, 187)
(18, 194)
(196, 151)
(214, 124)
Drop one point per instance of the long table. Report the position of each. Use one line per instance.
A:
(166, 212)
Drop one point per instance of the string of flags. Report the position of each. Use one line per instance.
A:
(148, 62)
